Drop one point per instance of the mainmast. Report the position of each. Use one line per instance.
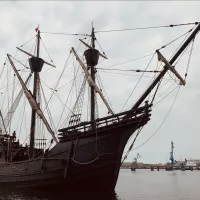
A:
(36, 64)
(92, 70)
(92, 57)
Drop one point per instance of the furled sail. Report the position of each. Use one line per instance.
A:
(12, 109)
(91, 82)
(32, 101)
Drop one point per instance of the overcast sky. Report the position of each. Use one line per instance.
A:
(19, 19)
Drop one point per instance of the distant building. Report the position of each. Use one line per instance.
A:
(188, 163)
(193, 162)
(179, 163)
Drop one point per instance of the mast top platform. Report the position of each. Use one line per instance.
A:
(92, 57)
(92, 54)
(36, 64)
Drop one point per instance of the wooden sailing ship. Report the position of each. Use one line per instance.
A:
(87, 154)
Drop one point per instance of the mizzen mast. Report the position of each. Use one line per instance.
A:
(36, 63)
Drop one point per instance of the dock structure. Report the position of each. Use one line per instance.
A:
(178, 165)
(128, 165)
(187, 164)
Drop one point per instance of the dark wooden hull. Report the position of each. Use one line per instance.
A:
(88, 162)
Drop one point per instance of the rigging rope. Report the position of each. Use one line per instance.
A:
(12, 97)
(15, 87)
(156, 91)
(130, 148)
(1, 73)
(28, 41)
(121, 30)
(173, 78)
(189, 59)
(161, 122)
(8, 78)
(100, 47)
(71, 112)
(164, 46)
(101, 85)
(88, 100)
(23, 114)
(138, 82)
(65, 67)
(178, 48)
(148, 27)
(176, 39)
(68, 82)
(140, 129)
(165, 95)
(77, 108)
(20, 63)
(55, 94)
(47, 52)
(164, 90)
(56, 84)
(131, 70)
(134, 59)
(136, 75)
(47, 108)
(97, 108)
(77, 34)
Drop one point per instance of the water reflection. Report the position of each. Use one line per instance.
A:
(140, 185)
(19, 194)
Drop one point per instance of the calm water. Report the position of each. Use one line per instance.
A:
(139, 185)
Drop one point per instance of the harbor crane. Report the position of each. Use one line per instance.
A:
(134, 163)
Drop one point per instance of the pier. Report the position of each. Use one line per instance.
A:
(158, 167)
(186, 164)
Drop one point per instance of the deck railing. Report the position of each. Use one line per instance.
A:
(106, 121)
